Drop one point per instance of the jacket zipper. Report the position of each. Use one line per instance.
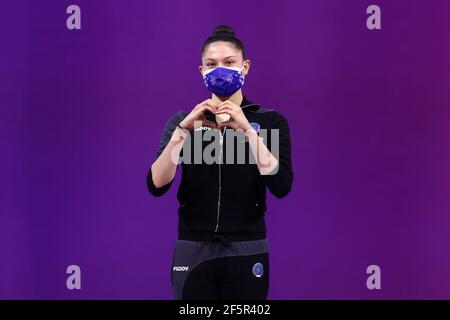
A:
(220, 178)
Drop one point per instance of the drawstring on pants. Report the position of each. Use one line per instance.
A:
(218, 238)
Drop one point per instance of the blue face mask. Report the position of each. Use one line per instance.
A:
(224, 81)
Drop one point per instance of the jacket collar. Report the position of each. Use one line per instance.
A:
(248, 105)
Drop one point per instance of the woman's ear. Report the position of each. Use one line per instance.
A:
(200, 68)
(246, 67)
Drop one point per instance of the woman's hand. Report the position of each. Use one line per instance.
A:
(238, 120)
(197, 118)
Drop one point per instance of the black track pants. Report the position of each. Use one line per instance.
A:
(220, 270)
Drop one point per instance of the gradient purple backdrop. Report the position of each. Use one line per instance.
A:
(82, 113)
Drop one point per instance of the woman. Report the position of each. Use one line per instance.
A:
(222, 250)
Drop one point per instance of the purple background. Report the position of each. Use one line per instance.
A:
(82, 113)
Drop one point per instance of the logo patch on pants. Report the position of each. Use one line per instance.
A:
(258, 270)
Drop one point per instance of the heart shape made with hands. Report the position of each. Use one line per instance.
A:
(222, 117)
(217, 118)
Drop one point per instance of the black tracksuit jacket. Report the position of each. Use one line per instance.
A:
(228, 199)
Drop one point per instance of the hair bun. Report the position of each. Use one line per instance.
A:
(224, 30)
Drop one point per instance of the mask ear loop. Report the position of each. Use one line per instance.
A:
(206, 72)
(242, 73)
(243, 66)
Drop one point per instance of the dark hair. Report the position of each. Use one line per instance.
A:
(224, 33)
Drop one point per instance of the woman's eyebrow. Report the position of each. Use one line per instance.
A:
(211, 59)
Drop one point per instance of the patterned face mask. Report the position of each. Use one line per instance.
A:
(224, 81)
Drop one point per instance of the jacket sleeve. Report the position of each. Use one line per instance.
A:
(164, 140)
(280, 183)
